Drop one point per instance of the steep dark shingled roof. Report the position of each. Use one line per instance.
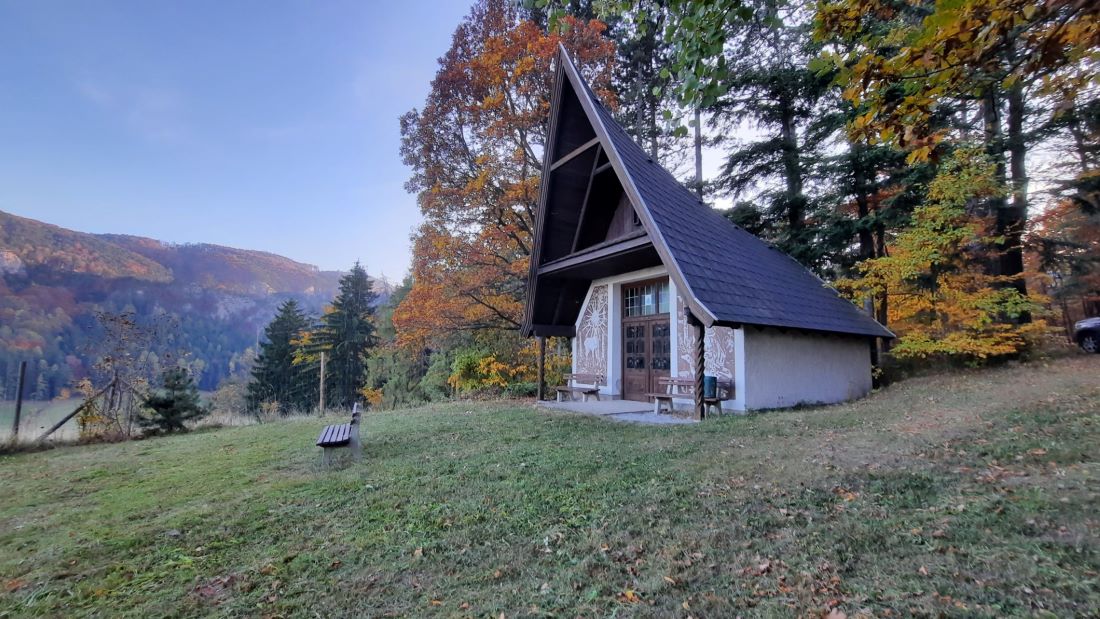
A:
(727, 275)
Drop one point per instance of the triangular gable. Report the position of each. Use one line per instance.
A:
(726, 276)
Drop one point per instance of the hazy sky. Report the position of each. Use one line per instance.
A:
(267, 125)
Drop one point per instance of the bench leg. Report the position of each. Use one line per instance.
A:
(355, 445)
(326, 457)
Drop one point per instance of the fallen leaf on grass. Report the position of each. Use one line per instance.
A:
(437, 602)
(845, 493)
(419, 552)
(630, 597)
(14, 584)
(669, 580)
(1038, 451)
(335, 564)
(923, 571)
(835, 614)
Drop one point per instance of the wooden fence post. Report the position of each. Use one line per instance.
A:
(321, 399)
(19, 400)
(540, 392)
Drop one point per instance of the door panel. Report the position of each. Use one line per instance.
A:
(647, 356)
(635, 360)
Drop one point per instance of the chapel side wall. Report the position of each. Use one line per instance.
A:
(784, 369)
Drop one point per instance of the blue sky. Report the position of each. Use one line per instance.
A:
(255, 124)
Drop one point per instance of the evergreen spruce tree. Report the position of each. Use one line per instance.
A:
(347, 335)
(175, 405)
(275, 377)
(769, 86)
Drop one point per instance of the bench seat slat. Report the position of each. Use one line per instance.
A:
(335, 435)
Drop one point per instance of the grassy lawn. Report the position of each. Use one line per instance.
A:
(970, 494)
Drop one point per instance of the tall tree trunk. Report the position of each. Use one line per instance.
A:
(698, 154)
(1078, 137)
(1012, 259)
(994, 147)
(882, 311)
(858, 152)
(792, 169)
(652, 126)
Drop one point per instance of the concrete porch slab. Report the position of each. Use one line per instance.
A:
(618, 410)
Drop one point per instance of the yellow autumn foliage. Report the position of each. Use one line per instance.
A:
(942, 301)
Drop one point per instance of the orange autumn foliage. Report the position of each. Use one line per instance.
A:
(476, 154)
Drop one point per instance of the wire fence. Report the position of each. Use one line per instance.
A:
(37, 417)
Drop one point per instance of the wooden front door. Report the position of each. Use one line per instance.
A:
(647, 355)
(647, 343)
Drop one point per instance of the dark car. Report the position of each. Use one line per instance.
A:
(1087, 334)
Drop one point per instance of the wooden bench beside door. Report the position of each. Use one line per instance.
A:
(584, 384)
(340, 436)
(684, 389)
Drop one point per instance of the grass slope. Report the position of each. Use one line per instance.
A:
(972, 494)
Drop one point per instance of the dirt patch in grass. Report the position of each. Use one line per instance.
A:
(971, 494)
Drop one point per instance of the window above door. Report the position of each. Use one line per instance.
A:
(646, 299)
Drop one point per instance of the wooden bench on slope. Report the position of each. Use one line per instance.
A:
(684, 389)
(340, 436)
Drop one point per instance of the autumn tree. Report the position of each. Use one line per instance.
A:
(944, 303)
(1065, 246)
(932, 59)
(475, 149)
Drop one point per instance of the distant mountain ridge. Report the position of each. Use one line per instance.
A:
(242, 271)
(53, 280)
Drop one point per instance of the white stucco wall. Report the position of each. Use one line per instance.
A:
(788, 369)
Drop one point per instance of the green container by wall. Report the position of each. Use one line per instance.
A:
(710, 386)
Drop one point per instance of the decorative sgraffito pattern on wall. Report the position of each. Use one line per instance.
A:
(718, 344)
(591, 353)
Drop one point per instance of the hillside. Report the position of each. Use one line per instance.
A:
(966, 494)
(241, 271)
(36, 250)
(53, 281)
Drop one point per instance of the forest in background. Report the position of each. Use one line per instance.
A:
(937, 162)
(61, 290)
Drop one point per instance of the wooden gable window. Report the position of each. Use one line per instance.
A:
(646, 299)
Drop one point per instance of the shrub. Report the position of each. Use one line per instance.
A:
(521, 390)
(176, 404)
